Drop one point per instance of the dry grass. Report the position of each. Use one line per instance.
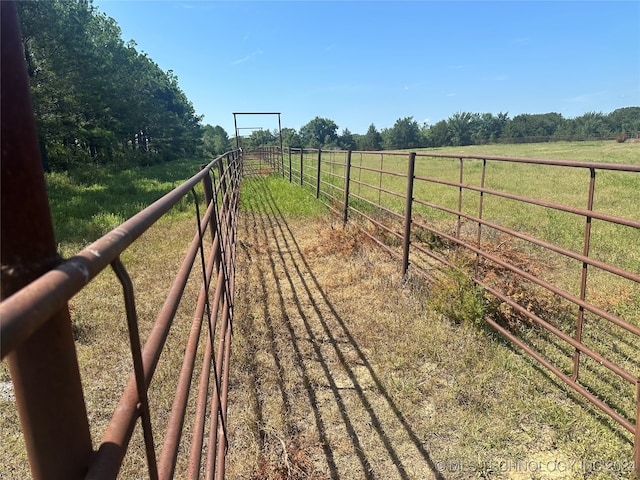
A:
(342, 369)
(102, 345)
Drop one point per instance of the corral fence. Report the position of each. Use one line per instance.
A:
(36, 333)
(543, 272)
(414, 208)
(36, 336)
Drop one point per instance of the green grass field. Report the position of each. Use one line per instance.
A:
(88, 202)
(616, 193)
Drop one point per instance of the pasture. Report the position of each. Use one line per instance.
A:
(341, 367)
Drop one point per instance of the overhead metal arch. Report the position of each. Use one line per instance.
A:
(237, 129)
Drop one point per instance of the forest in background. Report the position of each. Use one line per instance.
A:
(98, 100)
(462, 128)
(95, 97)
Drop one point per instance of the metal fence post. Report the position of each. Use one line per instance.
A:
(282, 161)
(301, 165)
(318, 173)
(207, 186)
(480, 213)
(407, 214)
(583, 278)
(460, 190)
(347, 177)
(44, 368)
(289, 149)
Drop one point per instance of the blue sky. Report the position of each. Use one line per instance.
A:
(364, 62)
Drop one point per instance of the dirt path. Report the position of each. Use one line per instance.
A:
(306, 402)
(342, 369)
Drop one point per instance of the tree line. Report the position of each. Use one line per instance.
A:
(98, 100)
(95, 97)
(462, 128)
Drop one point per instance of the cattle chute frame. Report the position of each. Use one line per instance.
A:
(35, 327)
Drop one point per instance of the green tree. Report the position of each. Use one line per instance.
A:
(625, 120)
(96, 98)
(215, 141)
(290, 138)
(319, 132)
(489, 127)
(533, 126)
(439, 135)
(462, 126)
(591, 125)
(372, 140)
(346, 140)
(263, 137)
(405, 133)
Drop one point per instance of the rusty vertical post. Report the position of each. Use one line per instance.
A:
(207, 186)
(458, 225)
(347, 176)
(272, 158)
(407, 213)
(318, 173)
(480, 206)
(235, 125)
(281, 149)
(380, 179)
(223, 176)
(301, 165)
(44, 368)
(583, 279)
(360, 173)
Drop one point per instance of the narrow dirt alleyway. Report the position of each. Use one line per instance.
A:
(305, 401)
(342, 369)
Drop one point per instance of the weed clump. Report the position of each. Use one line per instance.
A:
(458, 298)
(337, 239)
(288, 462)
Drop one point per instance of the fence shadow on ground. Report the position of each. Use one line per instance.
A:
(308, 335)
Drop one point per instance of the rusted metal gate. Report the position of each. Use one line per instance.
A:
(414, 202)
(36, 336)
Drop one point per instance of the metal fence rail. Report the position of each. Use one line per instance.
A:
(29, 309)
(35, 327)
(440, 213)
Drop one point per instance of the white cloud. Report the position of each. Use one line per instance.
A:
(186, 6)
(247, 58)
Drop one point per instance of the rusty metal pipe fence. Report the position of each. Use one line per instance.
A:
(438, 213)
(35, 326)
(30, 308)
